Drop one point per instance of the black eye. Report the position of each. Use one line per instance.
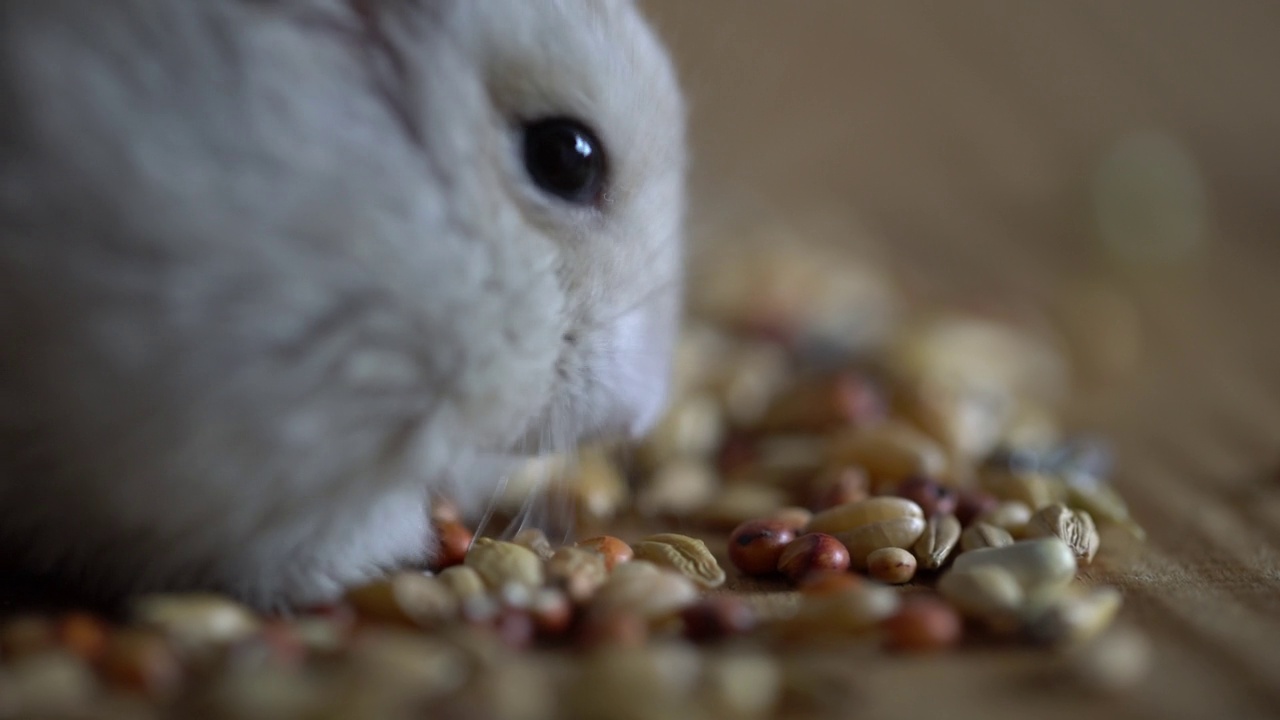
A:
(565, 159)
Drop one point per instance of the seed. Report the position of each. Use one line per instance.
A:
(577, 571)
(47, 684)
(679, 487)
(817, 404)
(941, 534)
(536, 540)
(850, 517)
(1033, 489)
(933, 497)
(890, 451)
(988, 593)
(515, 627)
(838, 486)
(455, 540)
(981, 535)
(24, 636)
(692, 428)
(716, 617)
(740, 502)
(552, 612)
(501, 562)
(683, 553)
(972, 503)
(643, 588)
(742, 685)
(464, 581)
(756, 545)
(141, 662)
(84, 635)
(814, 552)
(796, 518)
(1045, 564)
(1115, 661)
(618, 629)
(1074, 527)
(1010, 515)
(614, 550)
(853, 609)
(196, 622)
(829, 583)
(1075, 617)
(900, 533)
(923, 624)
(408, 598)
(891, 565)
(1105, 504)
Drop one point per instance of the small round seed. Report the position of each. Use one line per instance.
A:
(923, 624)
(716, 617)
(756, 546)
(814, 552)
(891, 565)
(455, 539)
(615, 551)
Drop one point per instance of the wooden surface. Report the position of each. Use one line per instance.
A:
(965, 136)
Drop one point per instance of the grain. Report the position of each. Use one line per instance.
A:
(940, 537)
(756, 546)
(1010, 515)
(987, 593)
(577, 571)
(196, 622)
(643, 588)
(983, 535)
(1074, 527)
(890, 451)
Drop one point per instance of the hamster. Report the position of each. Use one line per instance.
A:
(275, 272)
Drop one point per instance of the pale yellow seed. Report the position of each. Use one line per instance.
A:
(1074, 527)
(500, 563)
(940, 537)
(851, 516)
(1040, 565)
(901, 533)
(685, 554)
(983, 535)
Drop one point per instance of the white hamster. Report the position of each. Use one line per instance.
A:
(274, 271)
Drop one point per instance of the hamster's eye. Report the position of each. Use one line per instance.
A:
(565, 159)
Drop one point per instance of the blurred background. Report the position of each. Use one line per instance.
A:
(1116, 164)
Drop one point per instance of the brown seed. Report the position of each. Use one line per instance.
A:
(756, 546)
(141, 662)
(614, 550)
(552, 612)
(972, 503)
(515, 627)
(84, 635)
(716, 617)
(455, 540)
(829, 583)
(816, 404)
(933, 497)
(838, 486)
(623, 629)
(891, 565)
(25, 636)
(923, 624)
(815, 552)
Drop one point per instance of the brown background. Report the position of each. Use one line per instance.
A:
(966, 136)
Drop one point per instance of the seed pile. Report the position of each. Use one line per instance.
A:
(806, 479)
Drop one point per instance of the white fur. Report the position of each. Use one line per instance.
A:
(271, 271)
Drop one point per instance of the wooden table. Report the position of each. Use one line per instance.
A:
(966, 135)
